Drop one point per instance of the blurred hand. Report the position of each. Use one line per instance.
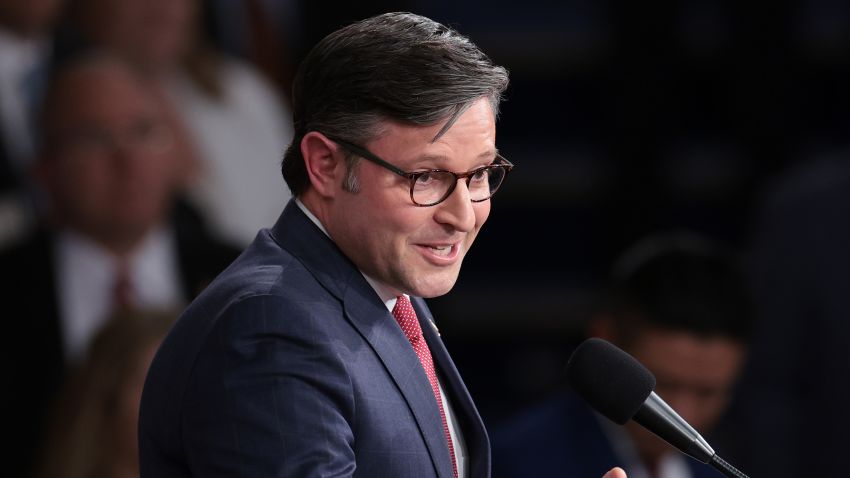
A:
(615, 473)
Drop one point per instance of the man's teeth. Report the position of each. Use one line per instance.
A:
(442, 251)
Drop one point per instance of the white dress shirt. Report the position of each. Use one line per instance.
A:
(388, 296)
(86, 276)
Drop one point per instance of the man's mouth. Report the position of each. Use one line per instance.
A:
(443, 251)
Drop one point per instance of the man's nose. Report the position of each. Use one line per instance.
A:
(456, 210)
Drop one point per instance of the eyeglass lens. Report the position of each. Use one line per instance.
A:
(434, 186)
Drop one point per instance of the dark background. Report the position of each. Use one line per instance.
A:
(623, 118)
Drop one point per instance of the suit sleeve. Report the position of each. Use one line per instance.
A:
(270, 395)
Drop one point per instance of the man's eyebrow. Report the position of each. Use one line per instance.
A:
(486, 155)
(492, 153)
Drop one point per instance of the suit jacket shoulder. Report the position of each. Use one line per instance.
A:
(291, 364)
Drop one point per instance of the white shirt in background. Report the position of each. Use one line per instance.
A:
(86, 276)
(240, 140)
(20, 62)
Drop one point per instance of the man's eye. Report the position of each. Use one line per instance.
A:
(480, 175)
(424, 179)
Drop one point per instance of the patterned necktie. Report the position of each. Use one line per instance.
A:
(406, 317)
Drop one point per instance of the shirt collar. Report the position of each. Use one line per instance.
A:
(386, 293)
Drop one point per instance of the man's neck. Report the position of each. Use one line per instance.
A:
(314, 207)
(310, 212)
(385, 292)
(119, 244)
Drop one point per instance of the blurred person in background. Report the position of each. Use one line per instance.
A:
(238, 123)
(114, 235)
(791, 417)
(25, 52)
(93, 428)
(679, 305)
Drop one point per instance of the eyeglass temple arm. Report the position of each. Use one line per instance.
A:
(365, 154)
(504, 162)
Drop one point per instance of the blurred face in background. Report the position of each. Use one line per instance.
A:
(695, 376)
(154, 34)
(109, 166)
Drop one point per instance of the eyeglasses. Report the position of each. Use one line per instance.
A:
(143, 135)
(430, 187)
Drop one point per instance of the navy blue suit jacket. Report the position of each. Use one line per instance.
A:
(561, 437)
(289, 364)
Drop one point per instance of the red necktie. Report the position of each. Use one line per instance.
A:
(406, 317)
(122, 289)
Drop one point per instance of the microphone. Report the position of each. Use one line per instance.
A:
(621, 388)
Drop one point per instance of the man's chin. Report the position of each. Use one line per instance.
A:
(434, 287)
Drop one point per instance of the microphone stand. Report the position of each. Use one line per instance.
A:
(656, 416)
(728, 470)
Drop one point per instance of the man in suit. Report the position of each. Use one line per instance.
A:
(291, 364)
(679, 305)
(114, 237)
(306, 357)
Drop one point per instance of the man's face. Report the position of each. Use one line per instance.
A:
(694, 376)
(416, 250)
(109, 171)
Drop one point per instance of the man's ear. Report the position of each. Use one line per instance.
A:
(324, 161)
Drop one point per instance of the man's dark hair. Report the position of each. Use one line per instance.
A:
(395, 66)
(681, 282)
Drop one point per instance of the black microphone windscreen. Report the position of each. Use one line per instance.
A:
(610, 380)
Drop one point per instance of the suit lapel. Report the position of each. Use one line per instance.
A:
(474, 433)
(365, 311)
(374, 322)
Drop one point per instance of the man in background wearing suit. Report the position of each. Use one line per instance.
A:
(113, 239)
(679, 305)
(314, 353)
